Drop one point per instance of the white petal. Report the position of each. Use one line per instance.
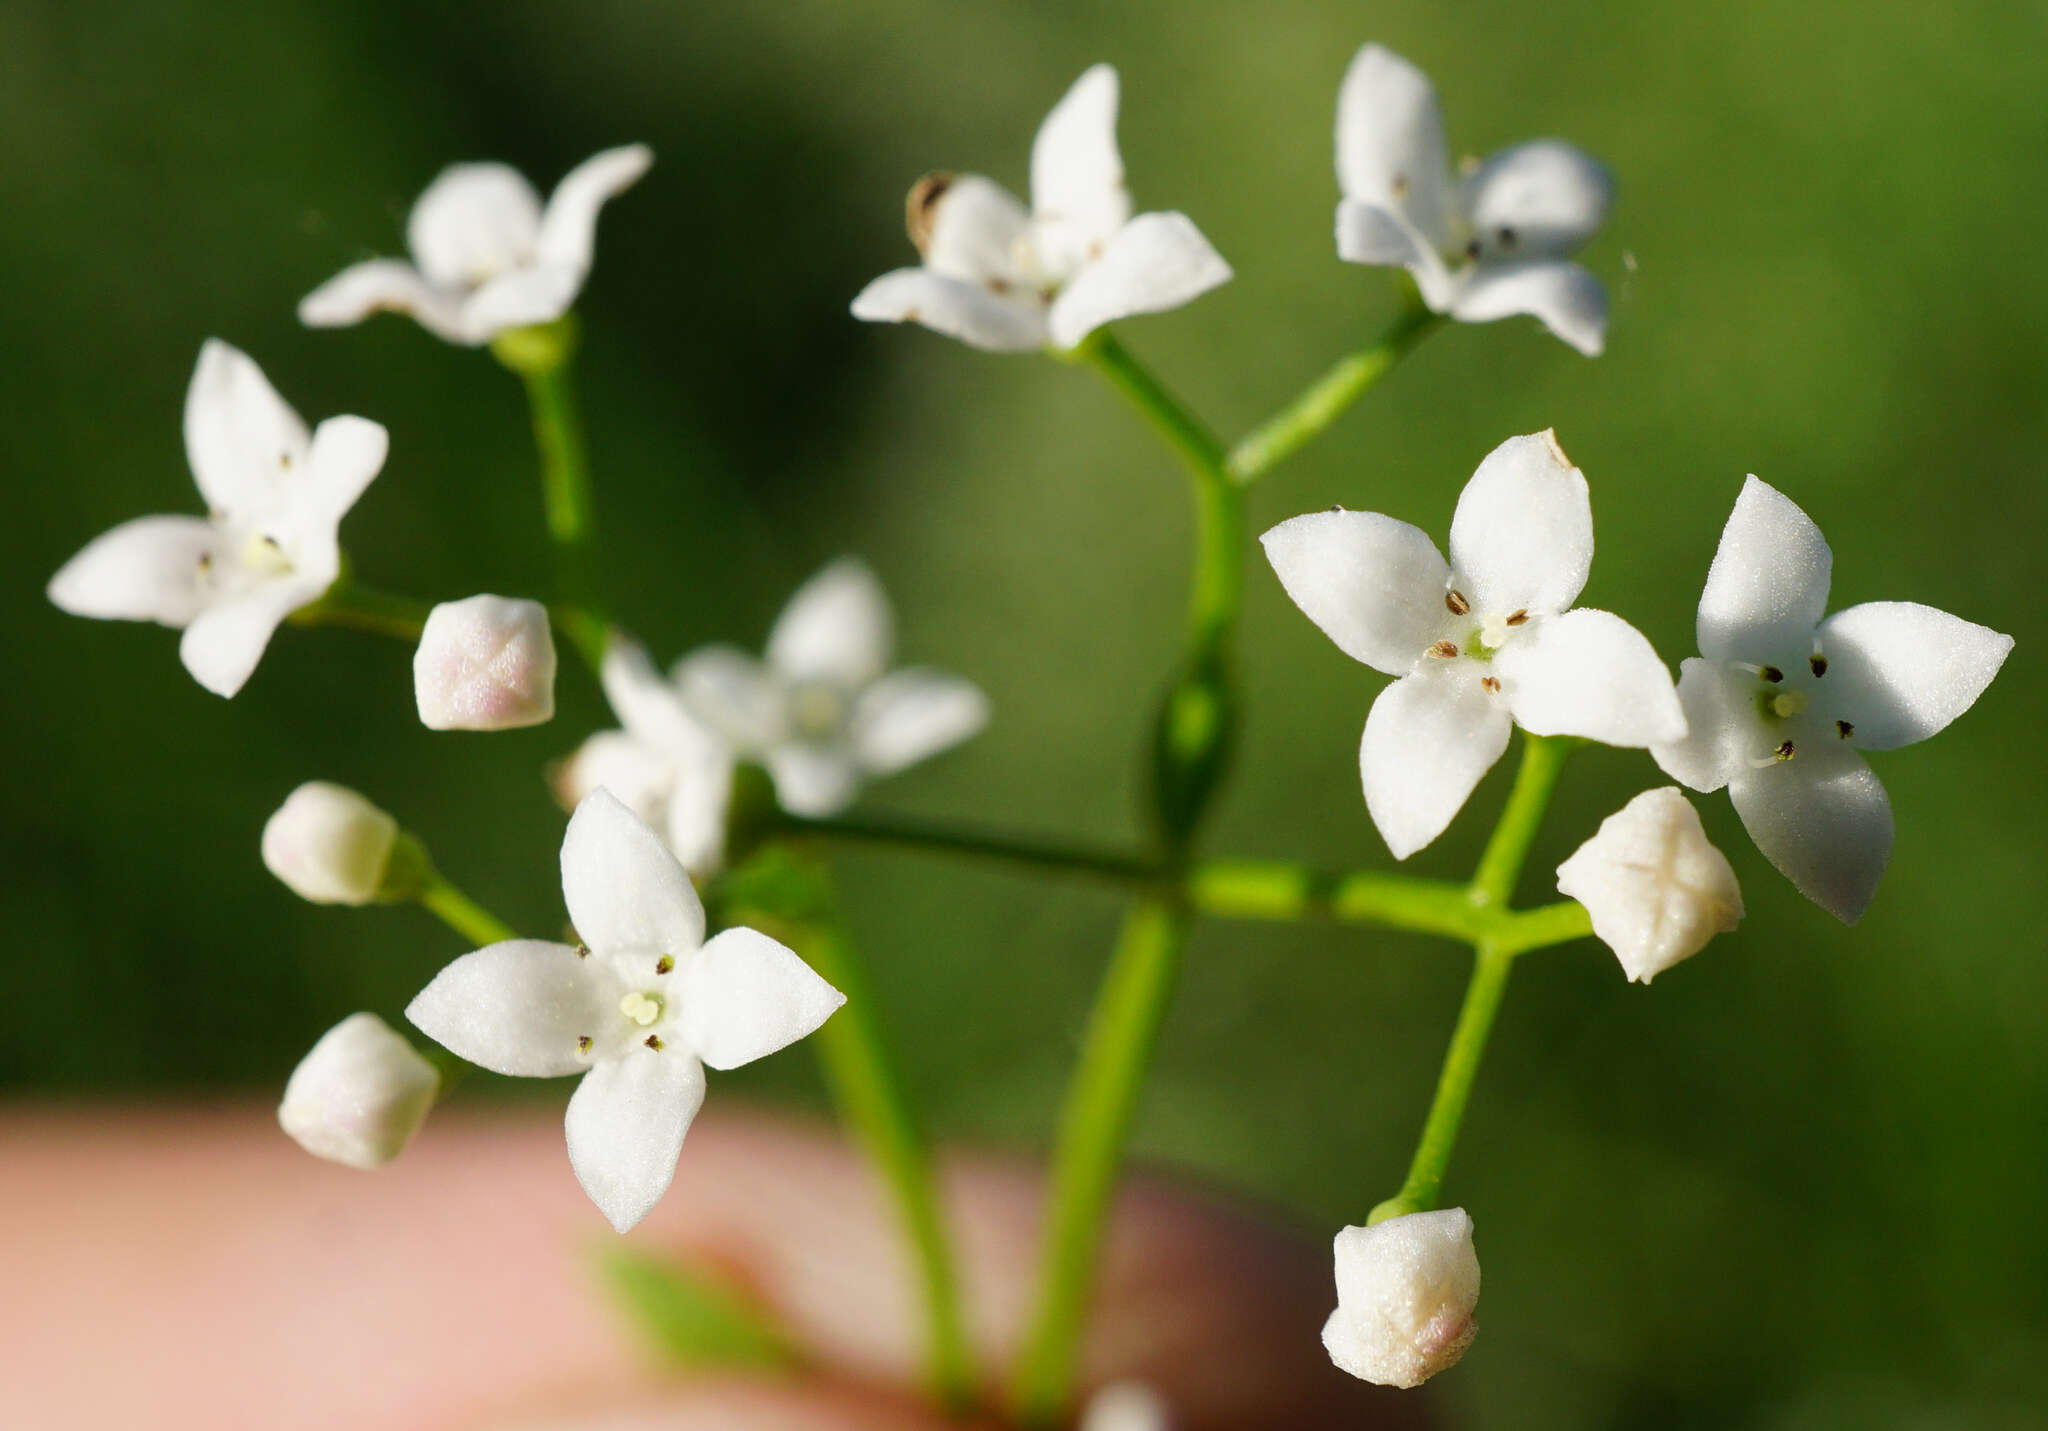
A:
(1589, 673)
(241, 438)
(625, 892)
(1824, 821)
(474, 222)
(650, 708)
(143, 570)
(1542, 198)
(1428, 740)
(516, 1007)
(1390, 142)
(382, 285)
(698, 805)
(1522, 538)
(1768, 586)
(1367, 233)
(836, 628)
(744, 996)
(734, 694)
(1899, 671)
(814, 781)
(614, 761)
(348, 452)
(954, 307)
(1078, 197)
(568, 229)
(911, 714)
(625, 1127)
(225, 641)
(1722, 726)
(1568, 299)
(1155, 262)
(977, 231)
(518, 299)
(1376, 586)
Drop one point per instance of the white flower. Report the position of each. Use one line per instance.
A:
(485, 663)
(486, 255)
(360, 1095)
(1781, 701)
(1406, 1290)
(665, 764)
(1126, 1406)
(1656, 887)
(275, 499)
(638, 1010)
(1488, 244)
(824, 712)
(1000, 278)
(1480, 643)
(329, 844)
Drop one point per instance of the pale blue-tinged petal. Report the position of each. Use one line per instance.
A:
(517, 1008)
(1566, 298)
(954, 307)
(1154, 263)
(1078, 197)
(225, 641)
(148, 569)
(625, 1128)
(1428, 740)
(836, 628)
(1376, 586)
(1723, 726)
(625, 892)
(1768, 587)
(743, 996)
(1589, 673)
(384, 285)
(1390, 142)
(568, 227)
(1823, 819)
(1522, 537)
(241, 438)
(1899, 671)
(474, 222)
(1540, 199)
(910, 715)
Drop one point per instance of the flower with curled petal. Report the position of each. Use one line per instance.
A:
(1783, 699)
(1009, 280)
(1481, 643)
(268, 544)
(1489, 244)
(639, 1009)
(487, 256)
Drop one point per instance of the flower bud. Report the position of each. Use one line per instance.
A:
(329, 844)
(1406, 1289)
(485, 663)
(1656, 888)
(360, 1095)
(1126, 1406)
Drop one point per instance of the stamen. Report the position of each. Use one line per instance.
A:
(1520, 616)
(1473, 249)
(1507, 237)
(1844, 729)
(1818, 663)
(1490, 685)
(1399, 187)
(284, 461)
(1783, 752)
(1455, 600)
(653, 1041)
(920, 209)
(1442, 650)
(583, 1043)
(665, 964)
(582, 951)
(1771, 674)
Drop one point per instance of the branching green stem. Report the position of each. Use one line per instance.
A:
(358, 608)
(1543, 757)
(541, 356)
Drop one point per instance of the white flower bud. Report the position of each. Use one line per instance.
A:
(485, 663)
(1126, 1406)
(360, 1095)
(329, 844)
(1406, 1289)
(1657, 889)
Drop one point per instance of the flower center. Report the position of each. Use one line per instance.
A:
(263, 555)
(817, 709)
(641, 1008)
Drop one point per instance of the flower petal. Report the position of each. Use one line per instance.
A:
(382, 285)
(638, 777)
(698, 804)
(1568, 299)
(650, 708)
(1768, 587)
(1543, 198)
(474, 222)
(1428, 740)
(518, 299)
(836, 628)
(744, 996)
(733, 694)
(225, 641)
(1376, 586)
(143, 570)
(976, 230)
(625, 1127)
(241, 438)
(1390, 142)
(348, 452)
(814, 781)
(625, 892)
(1822, 818)
(1522, 537)
(568, 228)
(953, 307)
(1589, 673)
(1367, 233)
(911, 714)
(1721, 726)
(1155, 262)
(516, 1008)
(1078, 196)
(1900, 671)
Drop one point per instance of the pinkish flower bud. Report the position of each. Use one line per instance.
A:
(360, 1095)
(1406, 1290)
(485, 663)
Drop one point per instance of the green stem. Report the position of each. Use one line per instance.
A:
(1271, 889)
(541, 355)
(907, 832)
(440, 898)
(1543, 756)
(1540, 928)
(358, 608)
(1100, 1102)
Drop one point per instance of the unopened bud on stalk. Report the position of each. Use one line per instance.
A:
(329, 844)
(1656, 887)
(1406, 1289)
(485, 663)
(360, 1095)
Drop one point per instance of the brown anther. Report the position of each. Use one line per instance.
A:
(997, 286)
(1520, 617)
(1818, 664)
(1772, 674)
(284, 460)
(1844, 729)
(1784, 752)
(583, 1043)
(205, 562)
(1490, 685)
(665, 964)
(1473, 249)
(653, 1041)
(1444, 650)
(1399, 187)
(1507, 237)
(1337, 507)
(1456, 602)
(920, 209)
(582, 951)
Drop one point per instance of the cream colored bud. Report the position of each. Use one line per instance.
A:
(485, 663)
(1656, 887)
(1406, 1290)
(360, 1095)
(329, 844)
(1126, 1406)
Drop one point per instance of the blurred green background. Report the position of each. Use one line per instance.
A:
(1797, 1184)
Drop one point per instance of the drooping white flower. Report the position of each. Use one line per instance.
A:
(269, 545)
(486, 255)
(638, 1009)
(1126, 1406)
(999, 277)
(329, 844)
(485, 663)
(1490, 243)
(824, 712)
(666, 765)
(1481, 643)
(1783, 699)
(1406, 1290)
(360, 1095)
(1653, 882)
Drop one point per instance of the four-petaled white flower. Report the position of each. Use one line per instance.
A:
(824, 712)
(1481, 643)
(1407, 1289)
(1780, 702)
(486, 255)
(1654, 884)
(1001, 278)
(269, 544)
(1489, 244)
(638, 1009)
